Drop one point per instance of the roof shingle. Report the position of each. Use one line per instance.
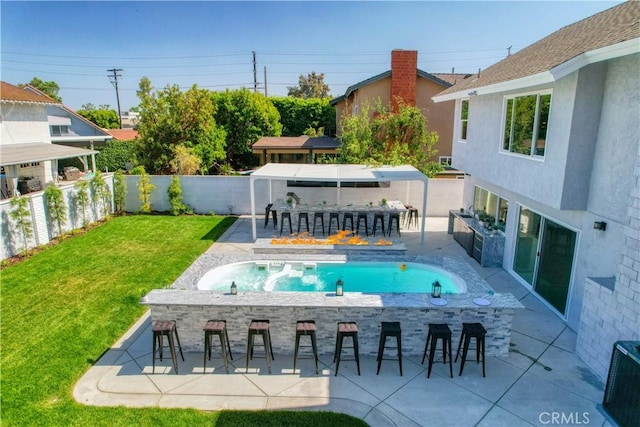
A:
(9, 93)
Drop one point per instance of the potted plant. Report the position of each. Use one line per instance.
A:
(383, 202)
(289, 201)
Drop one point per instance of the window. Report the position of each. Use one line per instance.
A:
(490, 207)
(445, 160)
(526, 121)
(58, 130)
(464, 117)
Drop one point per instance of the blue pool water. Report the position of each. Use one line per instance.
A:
(310, 276)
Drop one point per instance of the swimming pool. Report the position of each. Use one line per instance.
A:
(311, 276)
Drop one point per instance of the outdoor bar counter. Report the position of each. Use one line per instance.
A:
(191, 308)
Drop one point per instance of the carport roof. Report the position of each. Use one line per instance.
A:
(15, 154)
(338, 173)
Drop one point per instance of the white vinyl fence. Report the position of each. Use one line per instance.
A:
(43, 229)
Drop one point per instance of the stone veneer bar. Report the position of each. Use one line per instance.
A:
(191, 308)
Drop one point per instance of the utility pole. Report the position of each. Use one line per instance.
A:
(509, 50)
(265, 81)
(255, 73)
(113, 77)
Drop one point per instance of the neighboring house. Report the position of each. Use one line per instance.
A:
(122, 134)
(69, 128)
(550, 139)
(413, 86)
(129, 119)
(294, 149)
(27, 155)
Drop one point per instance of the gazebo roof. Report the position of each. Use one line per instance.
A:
(337, 173)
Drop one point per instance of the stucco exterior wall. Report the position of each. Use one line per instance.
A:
(439, 116)
(24, 123)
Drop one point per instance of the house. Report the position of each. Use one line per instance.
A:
(294, 149)
(127, 134)
(550, 140)
(411, 85)
(28, 156)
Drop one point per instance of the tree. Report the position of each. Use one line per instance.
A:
(185, 162)
(50, 88)
(170, 117)
(119, 191)
(56, 209)
(178, 207)
(385, 137)
(145, 188)
(246, 116)
(297, 115)
(104, 116)
(311, 86)
(21, 214)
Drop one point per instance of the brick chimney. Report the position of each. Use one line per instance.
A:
(404, 76)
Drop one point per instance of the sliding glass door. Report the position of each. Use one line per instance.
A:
(544, 257)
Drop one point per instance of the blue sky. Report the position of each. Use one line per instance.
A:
(210, 43)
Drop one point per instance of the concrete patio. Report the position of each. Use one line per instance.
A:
(541, 382)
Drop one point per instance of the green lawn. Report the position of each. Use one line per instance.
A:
(64, 307)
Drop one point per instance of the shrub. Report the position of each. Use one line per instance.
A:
(175, 198)
(115, 155)
(119, 191)
(82, 199)
(145, 187)
(56, 209)
(21, 214)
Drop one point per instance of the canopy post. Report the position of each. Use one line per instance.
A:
(253, 208)
(424, 210)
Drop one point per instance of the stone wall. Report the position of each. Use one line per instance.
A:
(612, 312)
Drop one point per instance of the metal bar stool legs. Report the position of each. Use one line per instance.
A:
(472, 330)
(316, 216)
(438, 331)
(219, 328)
(378, 218)
(332, 216)
(301, 216)
(346, 329)
(345, 217)
(395, 216)
(362, 216)
(160, 329)
(286, 215)
(259, 327)
(306, 328)
(390, 329)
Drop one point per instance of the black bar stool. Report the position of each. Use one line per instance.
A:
(362, 216)
(259, 327)
(166, 328)
(301, 216)
(219, 328)
(412, 215)
(346, 329)
(390, 329)
(349, 216)
(317, 215)
(438, 331)
(336, 216)
(378, 217)
(274, 214)
(472, 330)
(306, 328)
(285, 215)
(394, 216)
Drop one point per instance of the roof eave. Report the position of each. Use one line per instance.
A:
(617, 50)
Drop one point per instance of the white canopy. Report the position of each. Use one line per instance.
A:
(337, 173)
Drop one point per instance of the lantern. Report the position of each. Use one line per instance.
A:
(339, 288)
(436, 289)
(234, 288)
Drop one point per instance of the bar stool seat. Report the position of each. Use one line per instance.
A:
(345, 217)
(472, 330)
(306, 328)
(390, 329)
(166, 328)
(362, 216)
(336, 216)
(301, 216)
(378, 217)
(438, 331)
(346, 329)
(285, 215)
(259, 327)
(394, 216)
(219, 328)
(316, 216)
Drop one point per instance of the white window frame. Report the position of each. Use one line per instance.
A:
(505, 102)
(445, 160)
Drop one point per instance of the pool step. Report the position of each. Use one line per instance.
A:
(310, 266)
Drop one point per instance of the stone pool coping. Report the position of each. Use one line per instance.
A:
(264, 246)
